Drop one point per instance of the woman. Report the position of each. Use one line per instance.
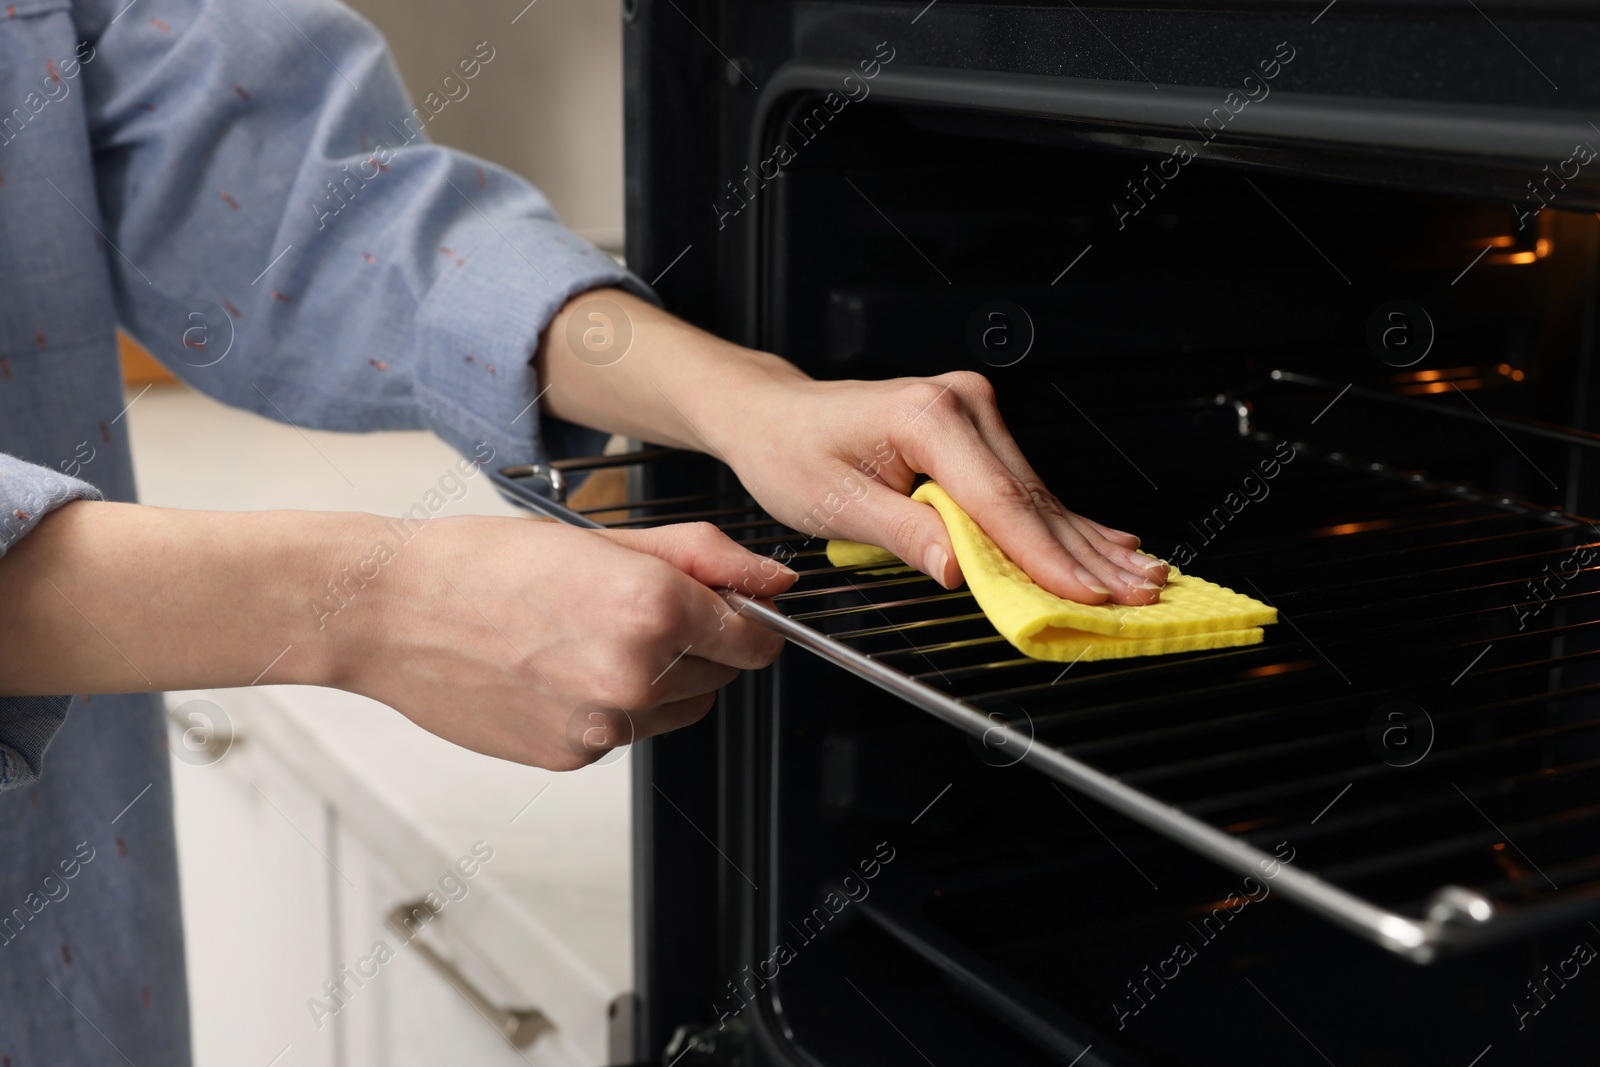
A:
(244, 188)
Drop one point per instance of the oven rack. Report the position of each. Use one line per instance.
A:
(1447, 567)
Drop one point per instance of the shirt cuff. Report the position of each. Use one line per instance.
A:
(27, 724)
(481, 326)
(29, 492)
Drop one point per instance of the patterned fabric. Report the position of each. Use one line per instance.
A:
(247, 189)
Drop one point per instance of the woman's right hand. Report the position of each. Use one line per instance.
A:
(526, 640)
(549, 645)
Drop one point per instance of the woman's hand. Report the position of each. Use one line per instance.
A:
(526, 640)
(837, 459)
(550, 645)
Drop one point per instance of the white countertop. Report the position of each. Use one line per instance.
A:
(553, 912)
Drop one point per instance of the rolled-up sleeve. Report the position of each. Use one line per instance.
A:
(288, 241)
(27, 494)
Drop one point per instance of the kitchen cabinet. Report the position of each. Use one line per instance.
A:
(294, 859)
(256, 906)
(329, 809)
(410, 1014)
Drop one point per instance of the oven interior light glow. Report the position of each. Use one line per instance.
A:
(1279, 668)
(1353, 527)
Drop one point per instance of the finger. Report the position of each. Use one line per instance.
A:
(1115, 536)
(687, 676)
(985, 413)
(699, 556)
(1141, 566)
(1120, 570)
(909, 528)
(953, 451)
(724, 634)
(710, 557)
(673, 715)
(604, 731)
(605, 727)
(1127, 583)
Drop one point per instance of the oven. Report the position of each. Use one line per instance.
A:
(1304, 294)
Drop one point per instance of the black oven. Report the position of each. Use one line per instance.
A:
(1304, 293)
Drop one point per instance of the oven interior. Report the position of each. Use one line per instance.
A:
(1422, 543)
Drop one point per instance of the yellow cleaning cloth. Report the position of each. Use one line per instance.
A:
(856, 555)
(1192, 613)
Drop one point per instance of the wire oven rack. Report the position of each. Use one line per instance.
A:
(1391, 590)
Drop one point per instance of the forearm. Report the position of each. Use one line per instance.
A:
(675, 385)
(110, 598)
(502, 635)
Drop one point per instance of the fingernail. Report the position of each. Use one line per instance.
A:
(1146, 562)
(934, 560)
(767, 563)
(1147, 584)
(1090, 582)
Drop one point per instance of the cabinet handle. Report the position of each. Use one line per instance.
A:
(521, 1026)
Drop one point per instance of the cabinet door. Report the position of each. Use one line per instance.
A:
(253, 858)
(408, 1013)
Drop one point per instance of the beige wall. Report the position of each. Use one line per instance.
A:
(549, 105)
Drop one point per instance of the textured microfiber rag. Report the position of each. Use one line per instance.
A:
(855, 555)
(1192, 613)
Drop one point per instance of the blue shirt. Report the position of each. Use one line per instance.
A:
(247, 189)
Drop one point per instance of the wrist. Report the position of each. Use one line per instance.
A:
(671, 385)
(344, 578)
(754, 392)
